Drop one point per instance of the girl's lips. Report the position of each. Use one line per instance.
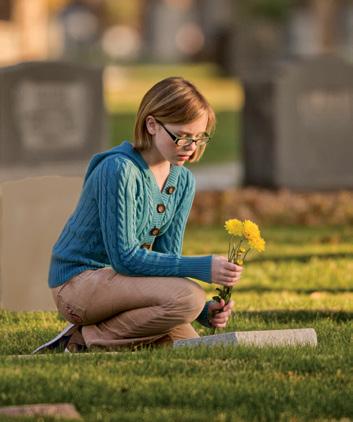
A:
(184, 157)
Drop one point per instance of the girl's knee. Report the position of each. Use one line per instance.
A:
(189, 301)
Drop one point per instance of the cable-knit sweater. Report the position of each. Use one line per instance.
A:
(121, 210)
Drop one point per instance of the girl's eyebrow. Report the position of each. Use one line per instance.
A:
(182, 133)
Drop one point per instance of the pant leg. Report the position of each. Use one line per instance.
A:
(117, 310)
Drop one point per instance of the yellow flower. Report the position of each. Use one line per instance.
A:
(234, 227)
(251, 230)
(257, 243)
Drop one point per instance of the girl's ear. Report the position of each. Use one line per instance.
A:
(151, 125)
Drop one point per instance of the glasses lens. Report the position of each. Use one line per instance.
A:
(202, 141)
(183, 142)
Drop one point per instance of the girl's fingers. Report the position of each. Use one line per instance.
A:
(228, 308)
(233, 267)
(230, 279)
(231, 275)
(221, 318)
(229, 282)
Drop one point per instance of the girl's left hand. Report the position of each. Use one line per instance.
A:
(220, 319)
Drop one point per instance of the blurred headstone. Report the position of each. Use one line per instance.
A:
(298, 126)
(32, 214)
(163, 28)
(50, 113)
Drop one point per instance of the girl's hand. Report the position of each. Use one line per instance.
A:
(225, 273)
(220, 319)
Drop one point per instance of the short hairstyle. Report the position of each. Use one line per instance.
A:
(172, 100)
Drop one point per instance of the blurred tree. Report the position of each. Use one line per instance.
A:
(274, 10)
(326, 16)
(123, 12)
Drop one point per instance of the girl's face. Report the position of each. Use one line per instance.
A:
(164, 148)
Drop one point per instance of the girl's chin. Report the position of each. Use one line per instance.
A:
(180, 162)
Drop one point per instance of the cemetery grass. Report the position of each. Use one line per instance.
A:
(305, 279)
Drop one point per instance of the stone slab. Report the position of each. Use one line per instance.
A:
(218, 177)
(50, 112)
(33, 212)
(289, 337)
(18, 172)
(59, 410)
(298, 126)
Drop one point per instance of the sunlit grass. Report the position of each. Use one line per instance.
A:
(305, 279)
(124, 86)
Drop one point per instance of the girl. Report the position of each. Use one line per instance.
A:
(117, 273)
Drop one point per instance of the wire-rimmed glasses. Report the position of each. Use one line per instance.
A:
(184, 141)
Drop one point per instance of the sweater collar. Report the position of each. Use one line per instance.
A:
(125, 148)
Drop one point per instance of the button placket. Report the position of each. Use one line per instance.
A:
(155, 231)
(170, 190)
(161, 208)
(162, 201)
(146, 246)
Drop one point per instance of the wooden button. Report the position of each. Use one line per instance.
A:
(155, 231)
(170, 190)
(160, 208)
(146, 246)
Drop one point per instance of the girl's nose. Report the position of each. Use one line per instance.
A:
(191, 147)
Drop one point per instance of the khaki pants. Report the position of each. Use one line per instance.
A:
(117, 310)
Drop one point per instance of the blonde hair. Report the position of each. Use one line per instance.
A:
(172, 100)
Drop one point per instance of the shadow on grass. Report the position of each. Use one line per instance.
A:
(303, 258)
(263, 289)
(284, 316)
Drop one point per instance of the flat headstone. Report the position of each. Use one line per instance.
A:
(289, 337)
(33, 212)
(58, 410)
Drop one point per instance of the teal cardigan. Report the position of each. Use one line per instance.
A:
(121, 210)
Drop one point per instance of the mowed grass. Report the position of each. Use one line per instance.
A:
(305, 279)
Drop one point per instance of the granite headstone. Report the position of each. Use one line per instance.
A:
(33, 213)
(50, 112)
(298, 127)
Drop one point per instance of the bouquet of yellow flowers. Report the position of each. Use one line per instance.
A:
(245, 236)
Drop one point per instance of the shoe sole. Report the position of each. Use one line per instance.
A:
(56, 341)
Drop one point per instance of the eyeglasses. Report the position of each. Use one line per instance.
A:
(185, 141)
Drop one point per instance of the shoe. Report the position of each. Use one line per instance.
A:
(76, 343)
(60, 341)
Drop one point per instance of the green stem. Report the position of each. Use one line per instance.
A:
(246, 254)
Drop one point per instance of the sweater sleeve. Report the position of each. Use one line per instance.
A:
(171, 241)
(115, 194)
(203, 318)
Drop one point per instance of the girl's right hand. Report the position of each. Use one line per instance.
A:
(225, 273)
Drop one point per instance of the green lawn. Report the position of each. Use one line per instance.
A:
(304, 280)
